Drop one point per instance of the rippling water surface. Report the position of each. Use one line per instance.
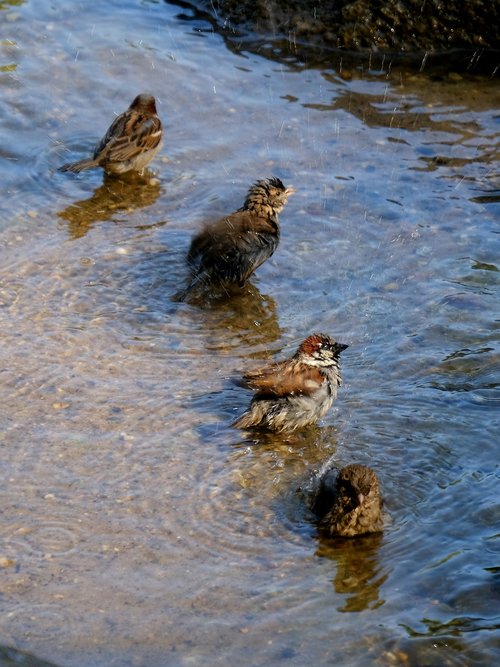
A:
(137, 527)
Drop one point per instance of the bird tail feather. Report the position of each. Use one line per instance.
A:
(76, 167)
(245, 421)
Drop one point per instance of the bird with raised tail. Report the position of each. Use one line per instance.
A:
(296, 392)
(347, 502)
(131, 142)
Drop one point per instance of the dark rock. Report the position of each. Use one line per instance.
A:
(469, 31)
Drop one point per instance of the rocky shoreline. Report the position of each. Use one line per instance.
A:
(467, 35)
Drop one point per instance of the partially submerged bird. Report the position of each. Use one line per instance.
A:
(228, 251)
(131, 142)
(295, 392)
(347, 502)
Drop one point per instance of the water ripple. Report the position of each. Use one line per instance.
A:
(21, 622)
(50, 537)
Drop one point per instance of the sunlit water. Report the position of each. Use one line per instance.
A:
(137, 527)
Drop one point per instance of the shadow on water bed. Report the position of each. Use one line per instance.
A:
(138, 527)
(9, 657)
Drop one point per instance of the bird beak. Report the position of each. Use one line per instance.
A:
(361, 498)
(341, 346)
(289, 190)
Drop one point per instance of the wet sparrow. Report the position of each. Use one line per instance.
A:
(348, 502)
(228, 251)
(131, 142)
(296, 392)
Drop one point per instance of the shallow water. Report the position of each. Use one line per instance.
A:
(139, 528)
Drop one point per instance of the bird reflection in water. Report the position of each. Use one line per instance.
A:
(114, 197)
(359, 573)
(247, 319)
(273, 462)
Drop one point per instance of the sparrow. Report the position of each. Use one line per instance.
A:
(228, 251)
(295, 392)
(347, 502)
(131, 142)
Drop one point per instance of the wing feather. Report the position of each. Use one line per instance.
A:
(278, 380)
(121, 144)
(233, 247)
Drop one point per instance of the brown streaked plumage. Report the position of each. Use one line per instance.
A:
(347, 502)
(228, 251)
(295, 392)
(131, 142)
